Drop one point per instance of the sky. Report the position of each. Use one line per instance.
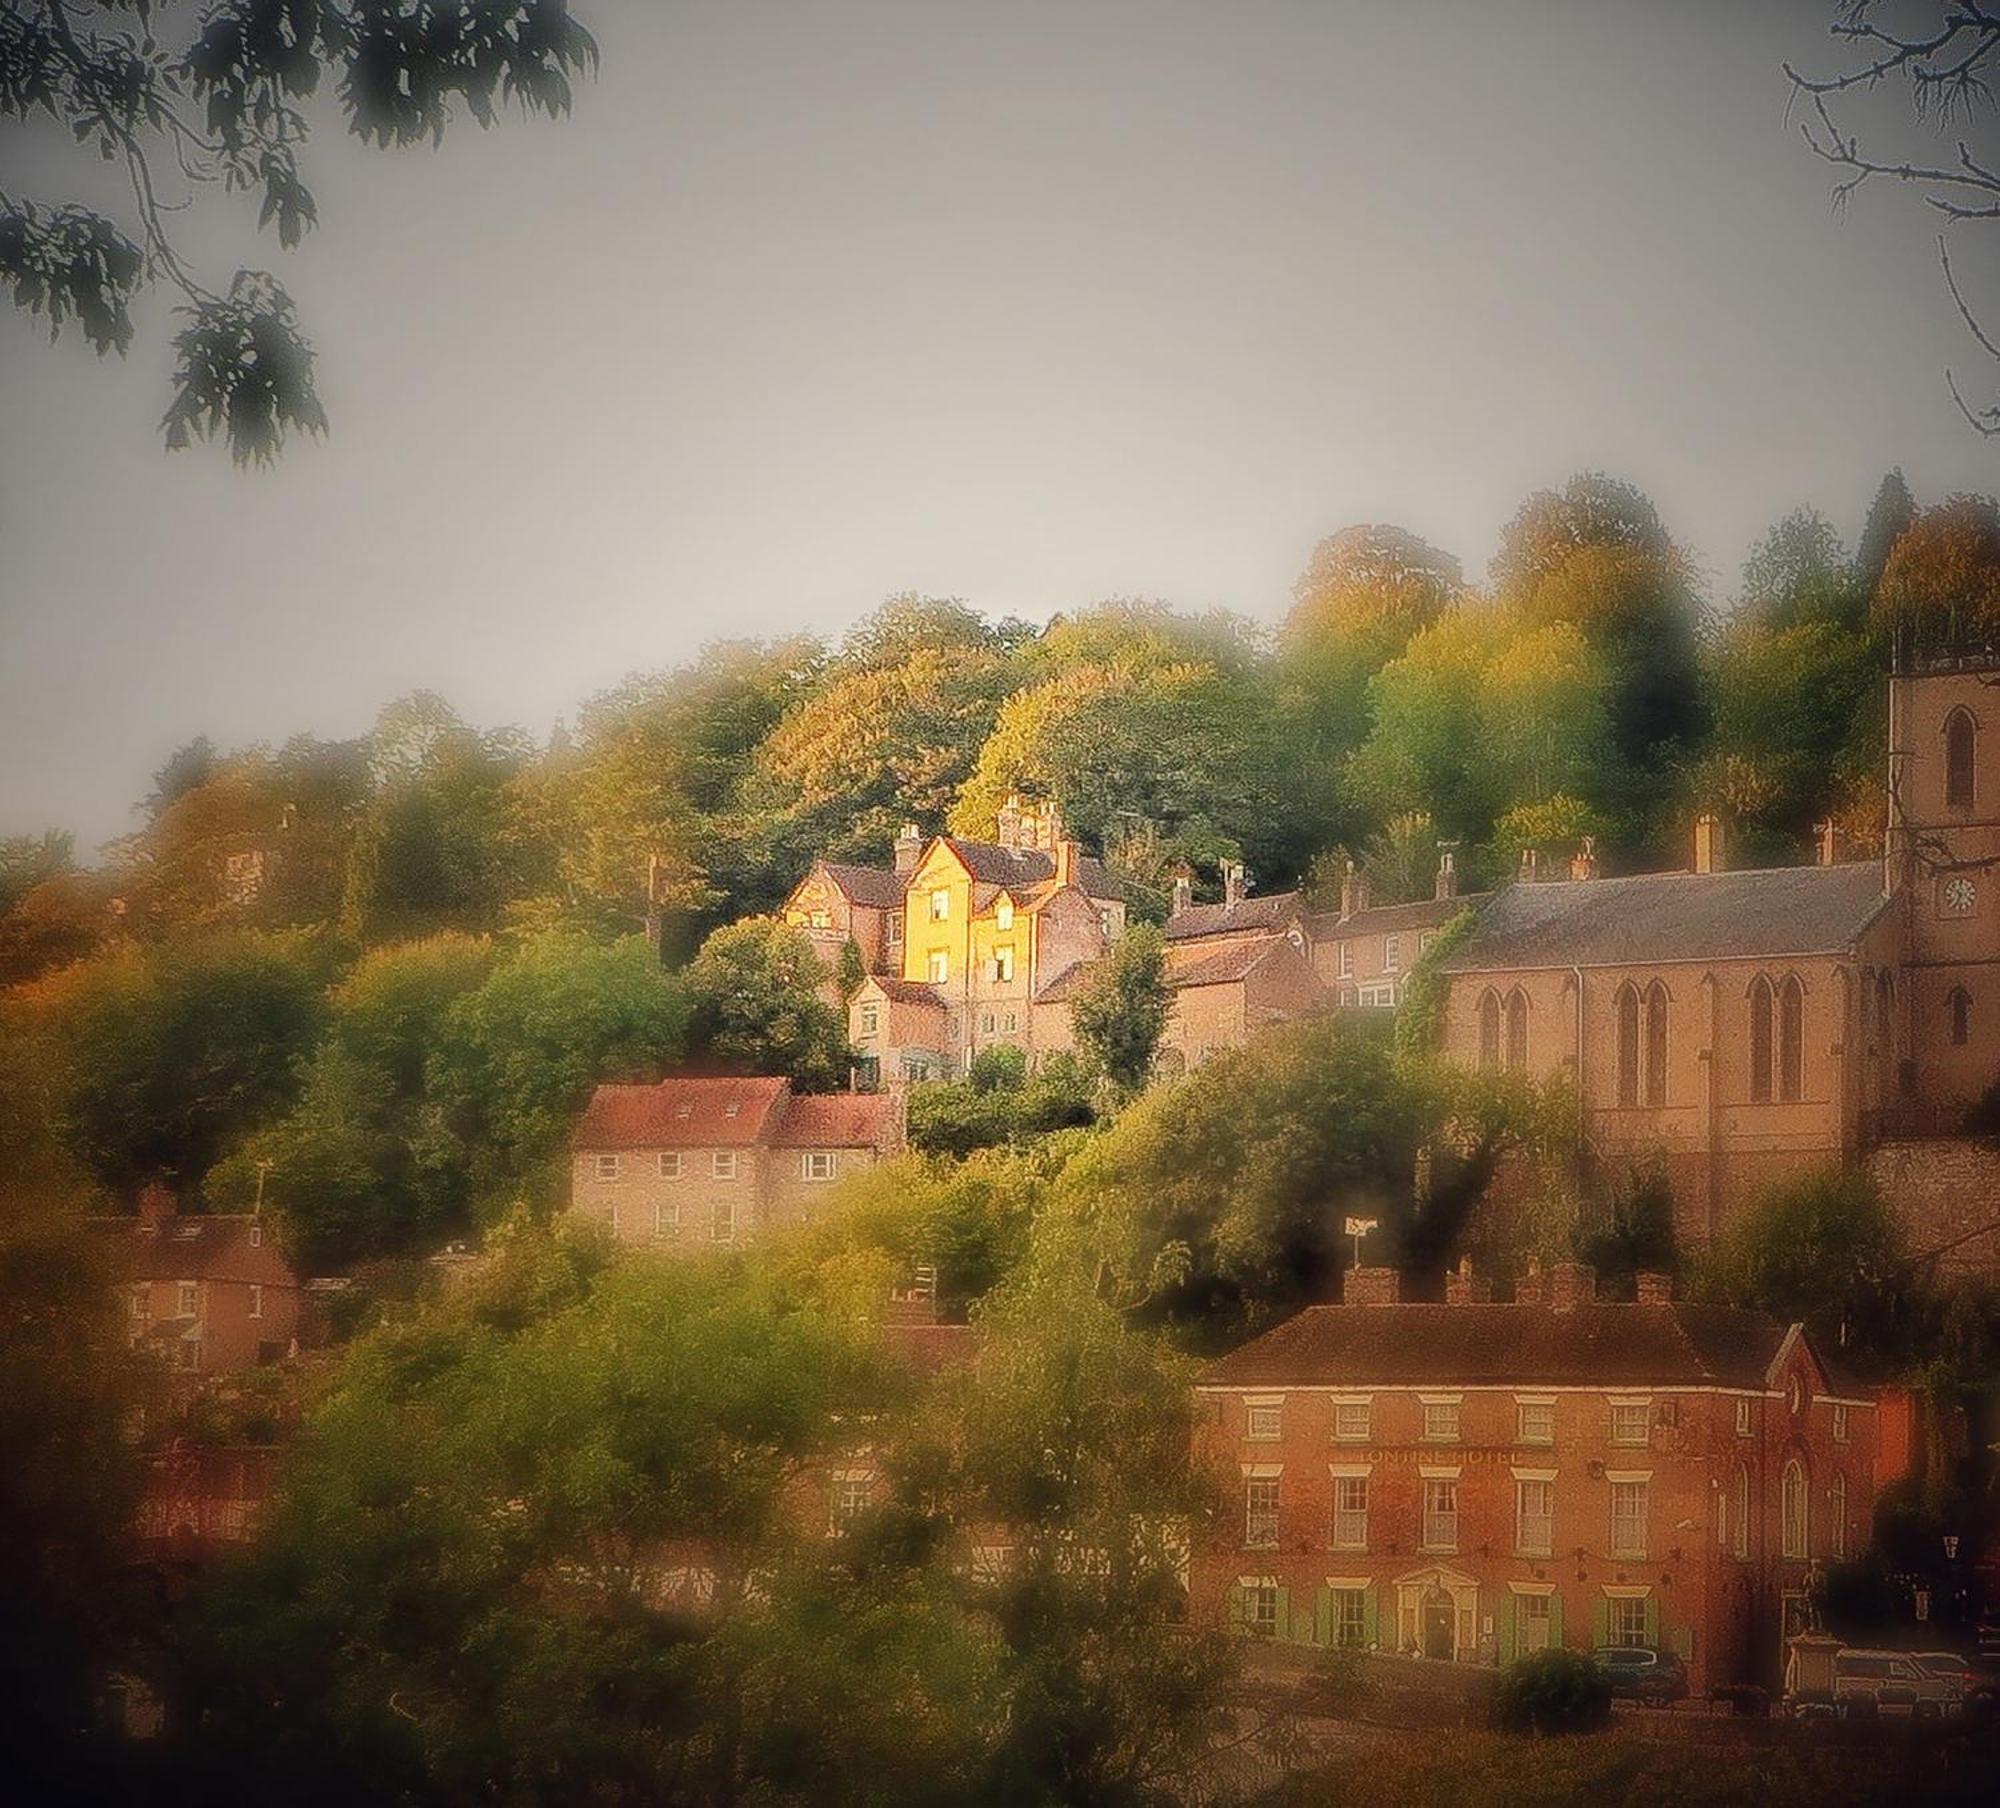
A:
(1030, 304)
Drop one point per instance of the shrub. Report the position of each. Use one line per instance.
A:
(1555, 1691)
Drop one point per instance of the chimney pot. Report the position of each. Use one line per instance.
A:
(1708, 839)
(1655, 1289)
(1371, 1287)
(1829, 843)
(1007, 823)
(1572, 1284)
(1583, 864)
(1067, 853)
(1232, 882)
(909, 848)
(1531, 865)
(1183, 895)
(1447, 873)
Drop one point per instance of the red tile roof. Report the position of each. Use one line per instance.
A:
(199, 1246)
(838, 1120)
(905, 991)
(1600, 1344)
(682, 1112)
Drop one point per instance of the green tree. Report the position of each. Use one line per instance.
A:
(218, 98)
(1891, 511)
(1120, 1012)
(27, 861)
(170, 1054)
(1942, 580)
(1799, 572)
(518, 1056)
(756, 1003)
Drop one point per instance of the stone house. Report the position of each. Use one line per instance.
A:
(1364, 951)
(210, 1292)
(837, 903)
(1472, 1481)
(693, 1163)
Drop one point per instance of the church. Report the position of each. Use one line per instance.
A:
(1741, 1026)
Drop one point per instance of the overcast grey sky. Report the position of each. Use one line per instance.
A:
(1030, 304)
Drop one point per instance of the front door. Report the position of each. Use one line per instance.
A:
(1440, 1626)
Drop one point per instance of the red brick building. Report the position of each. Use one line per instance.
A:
(1472, 1481)
(211, 1292)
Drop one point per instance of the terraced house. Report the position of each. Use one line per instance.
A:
(1472, 1480)
(691, 1163)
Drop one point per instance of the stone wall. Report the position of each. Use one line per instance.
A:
(1943, 1190)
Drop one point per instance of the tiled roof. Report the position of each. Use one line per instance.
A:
(837, 1120)
(1674, 916)
(905, 991)
(877, 887)
(1245, 915)
(1186, 965)
(1388, 919)
(198, 1246)
(1018, 870)
(1618, 1345)
(682, 1112)
(1065, 985)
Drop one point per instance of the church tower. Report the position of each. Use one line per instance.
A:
(1943, 853)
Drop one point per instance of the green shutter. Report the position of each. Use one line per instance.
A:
(1653, 1621)
(1556, 1618)
(1239, 1605)
(1600, 1619)
(1509, 1633)
(1370, 1633)
(1323, 1617)
(1284, 1625)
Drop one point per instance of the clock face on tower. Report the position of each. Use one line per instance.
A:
(1958, 895)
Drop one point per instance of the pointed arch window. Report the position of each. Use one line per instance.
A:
(1791, 1039)
(1517, 1028)
(1961, 736)
(1836, 1506)
(1793, 1510)
(1959, 1006)
(1761, 1039)
(1628, 1044)
(1489, 1029)
(1656, 1044)
(1742, 1510)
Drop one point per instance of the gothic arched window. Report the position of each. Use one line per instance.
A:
(1517, 1028)
(1793, 1521)
(1836, 1506)
(1960, 744)
(1960, 1004)
(1760, 1039)
(1628, 1044)
(1791, 1038)
(1742, 1510)
(1489, 1029)
(1656, 1044)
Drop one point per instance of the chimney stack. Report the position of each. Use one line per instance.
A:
(1183, 895)
(1447, 874)
(1530, 1289)
(1353, 891)
(1572, 1284)
(1067, 854)
(1531, 865)
(1371, 1287)
(1007, 829)
(1052, 830)
(1708, 852)
(1655, 1289)
(156, 1206)
(1583, 863)
(1232, 882)
(909, 849)
(1829, 842)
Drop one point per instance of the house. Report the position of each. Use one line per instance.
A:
(1363, 952)
(837, 903)
(694, 1162)
(985, 925)
(211, 1292)
(1471, 1481)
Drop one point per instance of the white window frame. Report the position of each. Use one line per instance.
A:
(816, 1165)
(1440, 1513)
(607, 1167)
(895, 929)
(1740, 1541)
(1349, 1531)
(669, 1164)
(1631, 1423)
(723, 1164)
(1836, 1507)
(1345, 1429)
(937, 967)
(1619, 1620)
(187, 1299)
(1841, 1428)
(1794, 1511)
(1631, 1515)
(1003, 966)
(1003, 914)
(851, 1497)
(1010, 1022)
(1345, 964)
(666, 1218)
(722, 1222)
(1260, 1609)
(1524, 1433)
(1264, 1420)
(1260, 1512)
(941, 904)
(871, 1019)
(1534, 1530)
(1392, 954)
(1743, 1422)
(256, 1299)
(141, 1300)
(1442, 1420)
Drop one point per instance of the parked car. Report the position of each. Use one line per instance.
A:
(1948, 1678)
(1639, 1673)
(1879, 1682)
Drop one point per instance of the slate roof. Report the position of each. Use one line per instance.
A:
(1019, 870)
(1674, 916)
(905, 991)
(1189, 965)
(877, 887)
(682, 1112)
(197, 1246)
(1244, 916)
(1389, 919)
(1477, 1345)
(837, 1120)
